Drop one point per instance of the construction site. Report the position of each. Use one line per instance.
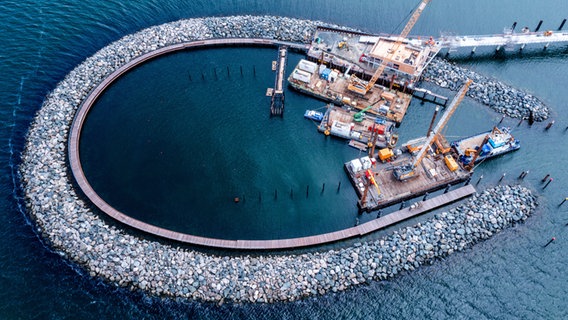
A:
(371, 80)
(424, 165)
(361, 70)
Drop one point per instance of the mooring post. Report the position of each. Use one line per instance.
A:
(323, 187)
(479, 180)
(549, 242)
(338, 186)
(523, 174)
(538, 26)
(520, 122)
(562, 25)
(425, 196)
(189, 76)
(254, 70)
(228, 72)
(275, 194)
(545, 178)
(307, 190)
(379, 213)
(202, 76)
(502, 177)
(547, 183)
(549, 125)
(259, 197)
(241, 71)
(514, 26)
(291, 193)
(502, 118)
(561, 203)
(215, 72)
(402, 205)
(447, 188)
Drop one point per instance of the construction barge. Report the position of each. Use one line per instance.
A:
(431, 175)
(363, 130)
(330, 85)
(489, 144)
(392, 176)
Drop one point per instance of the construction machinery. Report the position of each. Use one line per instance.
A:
(359, 116)
(361, 87)
(407, 171)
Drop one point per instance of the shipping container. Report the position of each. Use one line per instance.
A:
(301, 75)
(307, 66)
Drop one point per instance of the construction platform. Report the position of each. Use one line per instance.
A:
(432, 174)
(341, 122)
(362, 53)
(389, 104)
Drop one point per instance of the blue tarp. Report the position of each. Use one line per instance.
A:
(485, 149)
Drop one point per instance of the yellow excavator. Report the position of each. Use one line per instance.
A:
(361, 87)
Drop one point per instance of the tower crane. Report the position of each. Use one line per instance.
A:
(407, 171)
(361, 87)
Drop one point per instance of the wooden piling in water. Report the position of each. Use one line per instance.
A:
(545, 178)
(479, 180)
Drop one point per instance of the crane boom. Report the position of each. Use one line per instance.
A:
(442, 122)
(356, 84)
(407, 171)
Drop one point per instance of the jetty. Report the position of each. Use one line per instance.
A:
(277, 101)
(509, 40)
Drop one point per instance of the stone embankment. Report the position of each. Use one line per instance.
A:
(498, 96)
(78, 234)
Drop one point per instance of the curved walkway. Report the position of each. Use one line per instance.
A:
(77, 170)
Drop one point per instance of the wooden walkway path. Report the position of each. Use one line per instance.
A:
(77, 170)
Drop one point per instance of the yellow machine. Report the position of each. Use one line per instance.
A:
(469, 152)
(451, 163)
(385, 154)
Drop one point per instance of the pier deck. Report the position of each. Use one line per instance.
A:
(277, 101)
(432, 174)
(507, 40)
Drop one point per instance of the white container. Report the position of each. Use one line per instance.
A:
(333, 76)
(301, 76)
(356, 165)
(366, 163)
(307, 66)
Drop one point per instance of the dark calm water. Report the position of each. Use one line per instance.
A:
(508, 277)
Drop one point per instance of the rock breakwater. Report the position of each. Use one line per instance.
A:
(498, 96)
(78, 234)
